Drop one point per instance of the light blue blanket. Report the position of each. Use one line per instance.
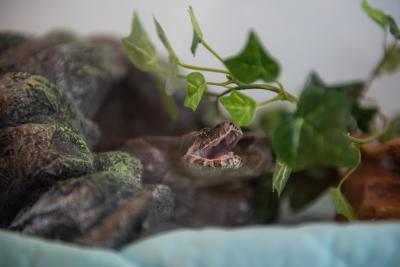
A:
(322, 245)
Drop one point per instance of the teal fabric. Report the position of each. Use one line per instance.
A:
(322, 245)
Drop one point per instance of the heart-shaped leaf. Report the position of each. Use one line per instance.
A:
(393, 28)
(240, 107)
(139, 48)
(391, 62)
(197, 34)
(342, 205)
(164, 40)
(253, 63)
(195, 85)
(316, 133)
(361, 116)
(375, 14)
(171, 79)
(280, 177)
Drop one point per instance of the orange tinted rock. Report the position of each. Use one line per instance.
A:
(374, 189)
(392, 149)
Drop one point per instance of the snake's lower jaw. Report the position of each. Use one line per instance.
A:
(229, 161)
(236, 162)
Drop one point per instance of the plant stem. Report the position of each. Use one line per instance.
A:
(222, 84)
(253, 86)
(373, 137)
(192, 67)
(269, 101)
(206, 46)
(375, 72)
(207, 92)
(364, 140)
(284, 95)
(350, 172)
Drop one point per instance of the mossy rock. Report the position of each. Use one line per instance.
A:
(11, 39)
(121, 165)
(41, 152)
(27, 98)
(82, 70)
(97, 209)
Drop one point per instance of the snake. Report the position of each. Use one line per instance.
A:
(208, 157)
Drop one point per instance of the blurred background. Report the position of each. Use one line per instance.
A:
(333, 37)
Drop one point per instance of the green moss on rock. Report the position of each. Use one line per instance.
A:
(11, 39)
(83, 70)
(26, 98)
(120, 166)
(42, 152)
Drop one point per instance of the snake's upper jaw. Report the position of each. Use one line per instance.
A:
(221, 148)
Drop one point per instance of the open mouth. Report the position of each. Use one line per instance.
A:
(221, 148)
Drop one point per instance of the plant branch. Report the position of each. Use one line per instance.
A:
(192, 67)
(222, 84)
(269, 101)
(207, 92)
(375, 71)
(350, 172)
(373, 137)
(206, 46)
(253, 86)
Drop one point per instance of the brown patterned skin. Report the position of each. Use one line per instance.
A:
(212, 147)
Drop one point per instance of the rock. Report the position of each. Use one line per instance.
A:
(203, 197)
(228, 205)
(35, 156)
(135, 107)
(121, 165)
(96, 210)
(373, 190)
(42, 151)
(26, 98)
(106, 208)
(11, 39)
(163, 205)
(82, 70)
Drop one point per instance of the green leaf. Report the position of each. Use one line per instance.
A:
(353, 89)
(364, 116)
(266, 204)
(195, 42)
(139, 48)
(342, 205)
(253, 63)
(169, 104)
(280, 177)
(307, 186)
(391, 62)
(316, 133)
(361, 116)
(167, 101)
(376, 14)
(393, 28)
(270, 118)
(196, 85)
(164, 40)
(171, 80)
(240, 107)
(197, 34)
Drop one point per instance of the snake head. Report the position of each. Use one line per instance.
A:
(213, 147)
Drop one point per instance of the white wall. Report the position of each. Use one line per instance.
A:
(333, 37)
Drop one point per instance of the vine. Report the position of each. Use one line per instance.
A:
(316, 133)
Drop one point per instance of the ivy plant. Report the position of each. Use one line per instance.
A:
(315, 133)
